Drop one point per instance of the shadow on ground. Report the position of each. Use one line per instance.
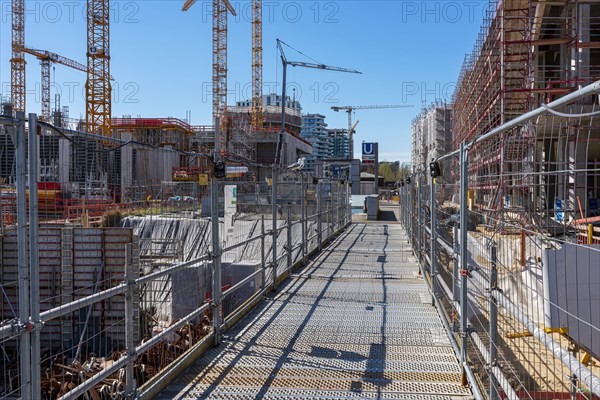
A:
(387, 215)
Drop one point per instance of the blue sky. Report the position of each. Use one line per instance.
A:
(410, 52)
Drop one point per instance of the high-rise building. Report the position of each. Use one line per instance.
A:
(340, 142)
(314, 130)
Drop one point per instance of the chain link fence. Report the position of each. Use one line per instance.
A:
(506, 232)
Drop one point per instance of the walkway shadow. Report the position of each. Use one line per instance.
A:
(387, 215)
(375, 371)
(324, 352)
(290, 346)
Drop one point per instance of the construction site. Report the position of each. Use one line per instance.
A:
(150, 258)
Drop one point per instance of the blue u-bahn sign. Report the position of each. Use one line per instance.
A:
(369, 153)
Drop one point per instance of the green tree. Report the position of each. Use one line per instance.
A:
(403, 171)
(385, 170)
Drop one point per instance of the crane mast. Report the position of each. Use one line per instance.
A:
(17, 61)
(219, 72)
(98, 87)
(257, 64)
(219, 63)
(45, 63)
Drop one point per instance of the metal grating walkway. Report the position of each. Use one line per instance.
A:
(357, 323)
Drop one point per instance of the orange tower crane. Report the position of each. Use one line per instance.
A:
(219, 73)
(98, 87)
(17, 62)
(46, 59)
(257, 64)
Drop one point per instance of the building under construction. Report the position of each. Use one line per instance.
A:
(529, 53)
(431, 135)
(262, 141)
(516, 192)
(146, 158)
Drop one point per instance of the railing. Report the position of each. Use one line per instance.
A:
(134, 306)
(159, 123)
(499, 239)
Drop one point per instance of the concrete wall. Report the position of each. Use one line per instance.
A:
(155, 165)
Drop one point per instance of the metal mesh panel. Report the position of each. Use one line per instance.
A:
(514, 255)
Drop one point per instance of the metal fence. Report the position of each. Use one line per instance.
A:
(117, 312)
(507, 237)
(83, 178)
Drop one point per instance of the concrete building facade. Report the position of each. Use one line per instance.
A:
(314, 130)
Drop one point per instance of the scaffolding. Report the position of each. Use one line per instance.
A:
(431, 134)
(529, 53)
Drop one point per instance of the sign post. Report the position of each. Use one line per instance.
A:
(370, 155)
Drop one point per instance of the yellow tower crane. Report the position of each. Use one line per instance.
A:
(257, 64)
(98, 87)
(46, 59)
(219, 72)
(17, 61)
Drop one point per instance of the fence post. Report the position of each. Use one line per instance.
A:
(216, 260)
(335, 210)
(493, 320)
(455, 263)
(402, 205)
(34, 262)
(331, 203)
(23, 261)
(274, 225)
(407, 206)
(338, 210)
(289, 237)
(432, 241)
(319, 216)
(419, 218)
(411, 211)
(129, 317)
(400, 200)
(303, 217)
(464, 268)
(263, 262)
(348, 200)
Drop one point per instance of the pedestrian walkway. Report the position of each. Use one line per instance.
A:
(357, 323)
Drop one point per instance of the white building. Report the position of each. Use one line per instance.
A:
(431, 135)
